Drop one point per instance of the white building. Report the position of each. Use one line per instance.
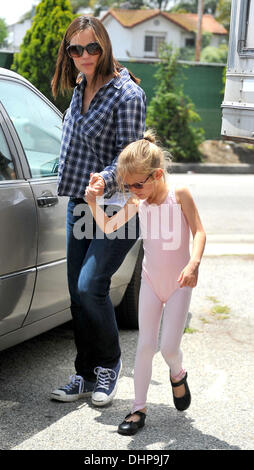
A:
(138, 33)
(16, 34)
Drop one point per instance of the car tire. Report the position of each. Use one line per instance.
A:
(127, 311)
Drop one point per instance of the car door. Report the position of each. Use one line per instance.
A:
(18, 236)
(39, 126)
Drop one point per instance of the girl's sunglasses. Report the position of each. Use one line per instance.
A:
(139, 185)
(75, 50)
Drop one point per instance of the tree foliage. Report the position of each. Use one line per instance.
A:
(171, 114)
(223, 12)
(76, 4)
(213, 54)
(191, 6)
(38, 53)
(3, 31)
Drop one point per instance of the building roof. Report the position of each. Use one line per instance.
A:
(187, 21)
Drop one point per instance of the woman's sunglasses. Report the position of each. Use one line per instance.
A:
(75, 50)
(139, 185)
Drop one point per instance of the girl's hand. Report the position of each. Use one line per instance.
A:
(90, 195)
(189, 275)
(97, 183)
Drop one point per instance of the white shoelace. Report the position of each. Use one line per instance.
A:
(74, 380)
(104, 376)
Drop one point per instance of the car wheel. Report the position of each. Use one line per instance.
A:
(127, 311)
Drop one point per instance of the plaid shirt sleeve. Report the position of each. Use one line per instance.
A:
(130, 126)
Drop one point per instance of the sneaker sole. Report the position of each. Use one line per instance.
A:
(104, 402)
(109, 398)
(69, 398)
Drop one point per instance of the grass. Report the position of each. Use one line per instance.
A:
(218, 311)
(212, 299)
(190, 330)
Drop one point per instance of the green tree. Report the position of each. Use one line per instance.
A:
(38, 53)
(223, 12)
(3, 31)
(215, 54)
(76, 4)
(136, 4)
(191, 6)
(171, 114)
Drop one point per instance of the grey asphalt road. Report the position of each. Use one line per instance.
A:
(226, 206)
(218, 354)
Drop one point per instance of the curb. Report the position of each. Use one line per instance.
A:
(229, 245)
(227, 249)
(235, 168)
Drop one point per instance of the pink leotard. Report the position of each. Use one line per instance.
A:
(165, 255)
(166, 235)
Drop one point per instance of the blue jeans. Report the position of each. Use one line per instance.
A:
(92, 259)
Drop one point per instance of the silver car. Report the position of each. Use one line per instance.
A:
(34, 295)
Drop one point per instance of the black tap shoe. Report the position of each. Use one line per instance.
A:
(128, 428)
(183, 402)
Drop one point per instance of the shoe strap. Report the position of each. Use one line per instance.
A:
(181, 382)
(140, 413)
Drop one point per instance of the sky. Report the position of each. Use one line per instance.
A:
(13, 10)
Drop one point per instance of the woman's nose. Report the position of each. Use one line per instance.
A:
(85, 53)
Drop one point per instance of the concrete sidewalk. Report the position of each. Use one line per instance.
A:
(218, 354)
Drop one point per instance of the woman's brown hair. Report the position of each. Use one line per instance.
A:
(65, 76)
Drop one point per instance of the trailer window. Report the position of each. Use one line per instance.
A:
(250, 26)
(246, 29)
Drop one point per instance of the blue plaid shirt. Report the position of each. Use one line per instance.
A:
(91, 142)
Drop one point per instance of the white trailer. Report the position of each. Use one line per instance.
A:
(238, 103)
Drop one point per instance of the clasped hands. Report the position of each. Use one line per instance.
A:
(95, 188)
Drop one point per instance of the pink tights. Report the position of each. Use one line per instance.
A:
(174, 320)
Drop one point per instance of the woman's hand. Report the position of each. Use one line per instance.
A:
(189, 275)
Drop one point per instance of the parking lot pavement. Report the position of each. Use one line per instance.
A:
(218, 354)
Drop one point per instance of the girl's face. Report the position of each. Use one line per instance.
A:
(86, 64)
(141, 185)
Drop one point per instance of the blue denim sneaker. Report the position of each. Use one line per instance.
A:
(106, 384)
(77, 388)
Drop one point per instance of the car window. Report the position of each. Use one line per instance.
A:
(7, 171)
(38, 126)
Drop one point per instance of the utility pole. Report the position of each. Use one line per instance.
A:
(199, 30)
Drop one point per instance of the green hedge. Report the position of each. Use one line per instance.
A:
(202, 83)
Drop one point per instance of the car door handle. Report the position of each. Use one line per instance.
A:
(47, 199)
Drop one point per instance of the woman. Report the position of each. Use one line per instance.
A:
(107, 112)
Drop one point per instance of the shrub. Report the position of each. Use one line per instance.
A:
(171, 114)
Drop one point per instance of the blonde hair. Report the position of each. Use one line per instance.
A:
(142, 156)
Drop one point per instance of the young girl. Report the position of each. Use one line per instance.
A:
(168, 273)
